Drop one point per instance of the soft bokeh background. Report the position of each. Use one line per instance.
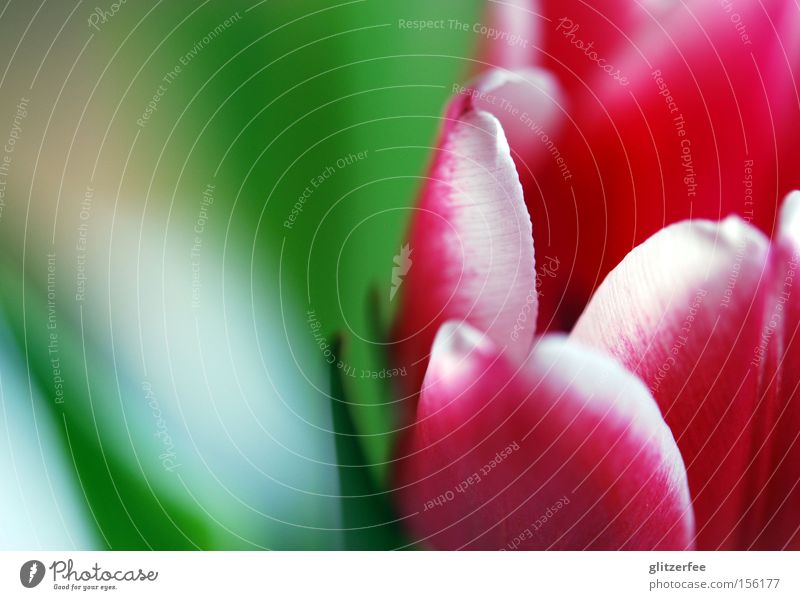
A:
(160, 383)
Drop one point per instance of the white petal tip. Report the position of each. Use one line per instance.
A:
(493, 79)
(458, 339)
(790, 218)
(456, 347)
(531, 88)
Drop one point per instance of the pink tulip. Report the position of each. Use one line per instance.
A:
(471, 260)
(665, 111)
(561, 450)
(668, 419)
(706, 315)
(516, 442)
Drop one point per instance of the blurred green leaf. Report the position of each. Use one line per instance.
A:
(368, 520)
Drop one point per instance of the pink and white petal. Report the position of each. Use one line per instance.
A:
(706, 127)
(533, 110)
(773, 518)
(684, 311)
(565, 192)
(519, 23)
(471, 245)
(530, 105)
(562, 450)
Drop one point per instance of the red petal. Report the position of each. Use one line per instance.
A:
(772, 521)
(574, 29)
(730, 74)
(518, 26)
(471, 245)
(564, 450)
(685, 311)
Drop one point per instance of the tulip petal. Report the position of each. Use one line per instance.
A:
(533, 110)
(685, 312)
(578, 35)
(561, 36)
(519, 22)
(471, 245)
(529, 104)
(772, 521)
(704, 126)
(563, 450)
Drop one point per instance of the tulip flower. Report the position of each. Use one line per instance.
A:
(511, 431)
(706, 315)
(665, 112)
(668, 419)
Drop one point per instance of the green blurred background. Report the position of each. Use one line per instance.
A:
(162, 383)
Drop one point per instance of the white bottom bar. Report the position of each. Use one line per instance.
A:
(401, 575)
